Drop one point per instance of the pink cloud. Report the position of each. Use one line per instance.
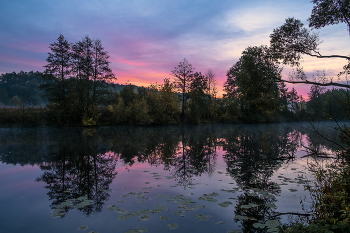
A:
(16, 61)
(130, 62)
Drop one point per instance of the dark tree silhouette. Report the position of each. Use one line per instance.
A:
(57, 71)
(252, 81)
(183, 74)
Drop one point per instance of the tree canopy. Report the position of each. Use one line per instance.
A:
(252, 81)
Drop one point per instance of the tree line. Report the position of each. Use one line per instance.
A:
(79, 87)
(17, 89)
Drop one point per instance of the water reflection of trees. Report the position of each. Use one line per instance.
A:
(81, 162)
(196, 155)
(81, 166)
(252, 156)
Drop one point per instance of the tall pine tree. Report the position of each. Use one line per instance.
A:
(57, 72)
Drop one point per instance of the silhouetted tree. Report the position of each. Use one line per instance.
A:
(293, 99)
(78, 97)
(183, 74)
(252, 81)
(199, 101)
(57, 71)
(292, 40)
(326, 12)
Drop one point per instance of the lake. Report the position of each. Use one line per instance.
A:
(209, 178)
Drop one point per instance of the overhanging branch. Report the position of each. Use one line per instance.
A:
(316, 83)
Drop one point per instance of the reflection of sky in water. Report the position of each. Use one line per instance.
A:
(26, 206)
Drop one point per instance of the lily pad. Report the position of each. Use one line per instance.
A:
(271, 205)
(225, 204)
(201, 217)
(58, 215)
(164, 218)
(250, 205)
(82, 228)
(259, 225)
(173, 226)
(124, 216)
(144, 218)
(139, 230)
(240, 217)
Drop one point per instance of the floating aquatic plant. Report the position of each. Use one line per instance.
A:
(82, 228)
(163, 218)
(225, 204)
(144, 218)
(250, 205)
(124, 217)
(201, 217)
(270, 224)
(173, 226)
(240, 217)
(139, 230)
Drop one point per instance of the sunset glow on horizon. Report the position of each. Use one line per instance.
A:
(147, 39)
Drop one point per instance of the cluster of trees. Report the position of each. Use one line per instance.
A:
(192, 93)
(21, 89)
(77, 79)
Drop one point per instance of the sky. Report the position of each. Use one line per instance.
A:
(146, 39)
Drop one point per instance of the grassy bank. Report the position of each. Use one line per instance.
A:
(24, 117)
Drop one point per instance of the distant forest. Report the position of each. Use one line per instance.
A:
(23, 89)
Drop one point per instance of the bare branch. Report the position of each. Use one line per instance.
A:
(316, 83)
(318, 55)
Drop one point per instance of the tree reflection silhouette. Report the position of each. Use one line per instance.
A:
(81, 167)
(252, 156)
(82, 162)
(195, 155)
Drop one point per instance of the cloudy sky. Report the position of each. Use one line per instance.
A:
(146, 39)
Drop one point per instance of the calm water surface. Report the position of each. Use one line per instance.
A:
(213, 178)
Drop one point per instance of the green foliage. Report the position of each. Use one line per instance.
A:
(77, 80)
(314, 228)
(252, 81)
(330, 104)
(15, 101)
(152, 105)
(24, 117)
